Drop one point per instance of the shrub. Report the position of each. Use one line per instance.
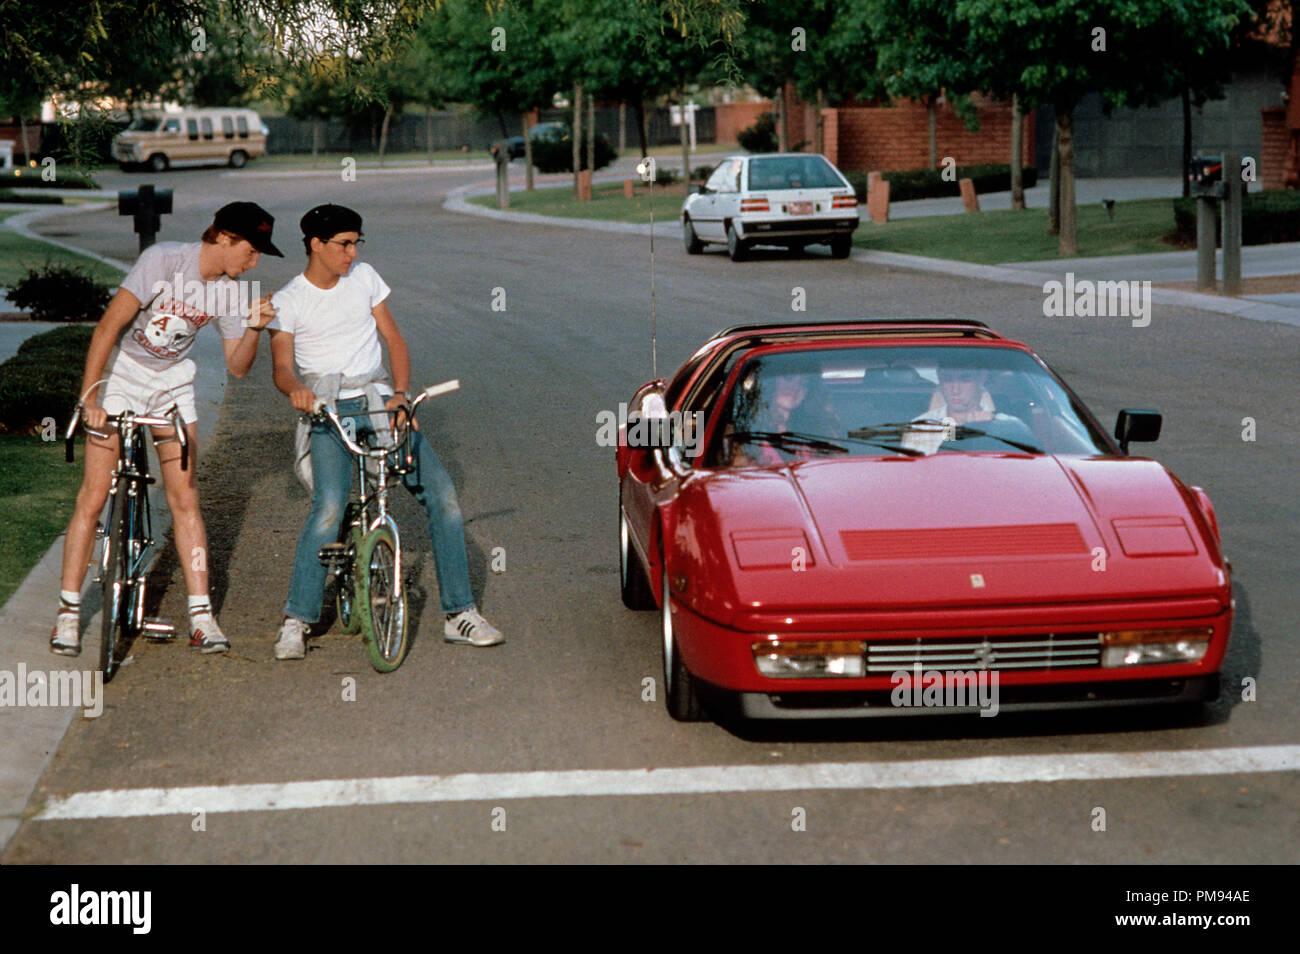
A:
(43, 379)
(702, 173)
(555, 153)
(58, 292)
(930, 184)
(666, 176)
(8, 196)
(1266, 217)
(31, 179)
(760, 137)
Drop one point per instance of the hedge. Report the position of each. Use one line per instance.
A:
(1266, 217)
(43, 379)
(930, 184)
(555, 153)
(59, 292)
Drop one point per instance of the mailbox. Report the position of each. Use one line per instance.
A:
(146, 206)
(1206, 175)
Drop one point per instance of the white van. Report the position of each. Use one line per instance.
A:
(191, 137)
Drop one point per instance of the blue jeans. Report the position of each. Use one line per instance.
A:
(332, 467)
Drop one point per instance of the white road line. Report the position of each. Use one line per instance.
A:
(707, 779)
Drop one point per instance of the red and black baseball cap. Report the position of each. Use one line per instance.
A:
(250, 222)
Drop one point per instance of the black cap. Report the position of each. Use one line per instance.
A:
(326, 221)
(250, 222)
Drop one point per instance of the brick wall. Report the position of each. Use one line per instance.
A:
(733, 117)
(1274, 145)
(895, 137)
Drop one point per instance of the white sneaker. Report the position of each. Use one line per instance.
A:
(290, 644)
(470, 627)
(206, 636)
(65, 639)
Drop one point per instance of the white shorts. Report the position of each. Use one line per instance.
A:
(132, 386)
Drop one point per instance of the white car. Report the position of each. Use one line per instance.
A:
(791, 199)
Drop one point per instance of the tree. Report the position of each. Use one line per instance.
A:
(1054, 52)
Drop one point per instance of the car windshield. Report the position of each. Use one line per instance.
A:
(144, 124)
(910, 401)
(792, 172)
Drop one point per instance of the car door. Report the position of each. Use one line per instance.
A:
(708, 222)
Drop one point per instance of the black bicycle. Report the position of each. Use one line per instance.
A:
(127, 531)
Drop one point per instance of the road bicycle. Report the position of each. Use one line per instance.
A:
(366, 562)
(127, 532)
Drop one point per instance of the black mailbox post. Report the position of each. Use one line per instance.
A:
(147, 205)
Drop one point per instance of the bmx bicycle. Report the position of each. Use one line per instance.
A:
(366, 562)
(127, 532)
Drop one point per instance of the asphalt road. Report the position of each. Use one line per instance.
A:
(565, 691)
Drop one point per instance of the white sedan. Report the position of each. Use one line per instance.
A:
(791, 199)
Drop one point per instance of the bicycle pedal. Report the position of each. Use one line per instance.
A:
(333, 556)
(159, 630)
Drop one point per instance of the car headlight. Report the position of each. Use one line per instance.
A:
(811, 659)
(1154, 647)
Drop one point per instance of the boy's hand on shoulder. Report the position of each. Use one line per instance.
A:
(262, 313)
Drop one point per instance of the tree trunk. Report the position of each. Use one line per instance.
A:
(383, 132)
(1054, 189)
(642, 133)
(528, 151)
(1067, 243)
(591, 134)
(1187, 141)
(577, 135)
(622, 127)
(428, 131)
(783, 124)
(315, 138)
(22, 124)
(932, 130)
(819, 127)
(1017, 160)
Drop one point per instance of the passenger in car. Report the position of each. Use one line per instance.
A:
(780, 403)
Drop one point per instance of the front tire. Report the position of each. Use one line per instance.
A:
(692, 241)
(737, 247)
(681, 689)
(158, 162)
(634, 583)
(381, 600)
(115, 585)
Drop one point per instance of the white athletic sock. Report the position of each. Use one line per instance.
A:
(69, 599)
(200, 605)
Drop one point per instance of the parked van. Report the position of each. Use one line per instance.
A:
(185, 137)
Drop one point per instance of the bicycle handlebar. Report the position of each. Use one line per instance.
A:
(172, 419)
(322, 410)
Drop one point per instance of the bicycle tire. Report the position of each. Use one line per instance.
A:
(345, 591)
(115, 585)
(381, 600)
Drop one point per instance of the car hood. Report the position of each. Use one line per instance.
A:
(949, 530)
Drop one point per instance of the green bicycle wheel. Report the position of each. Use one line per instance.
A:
(345, 587)
(381, 600)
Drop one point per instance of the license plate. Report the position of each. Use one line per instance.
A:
(799, 208)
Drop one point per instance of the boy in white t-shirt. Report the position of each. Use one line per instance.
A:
(329, 322)
(171, 293)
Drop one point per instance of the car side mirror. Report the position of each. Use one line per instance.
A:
(1137, 426)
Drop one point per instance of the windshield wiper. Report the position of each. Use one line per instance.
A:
(931, 424)
(965, 431)
(790, 439)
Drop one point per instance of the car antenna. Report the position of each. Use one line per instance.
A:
(646, 169)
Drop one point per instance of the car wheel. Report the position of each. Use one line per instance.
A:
(158, 162)
(633, 581)
(692, 241)
(737, 247)
(841, 245)
(238, 158)
(681, 689)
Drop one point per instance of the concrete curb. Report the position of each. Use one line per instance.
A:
(456, 202)
(20, 223)
(30, 736)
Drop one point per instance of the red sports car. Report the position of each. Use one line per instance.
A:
(909, 516)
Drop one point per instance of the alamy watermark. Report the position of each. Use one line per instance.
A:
(57, 689)
(1104, 299)
(956, 689)
(677, 429)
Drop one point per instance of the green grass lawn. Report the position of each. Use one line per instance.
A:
(37, 491)
(1005, 236)
(19, 253)
(607, 203)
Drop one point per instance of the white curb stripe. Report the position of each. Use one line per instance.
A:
(708, 779)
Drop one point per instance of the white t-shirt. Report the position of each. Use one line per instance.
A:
(333, 328)
(175, 303)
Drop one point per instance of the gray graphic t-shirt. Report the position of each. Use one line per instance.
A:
(176, 303)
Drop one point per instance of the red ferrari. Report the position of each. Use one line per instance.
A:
(910, 516)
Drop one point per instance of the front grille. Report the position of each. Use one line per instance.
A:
(1071, 651)
(1025, 540)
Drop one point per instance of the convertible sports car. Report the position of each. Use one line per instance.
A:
(823, 513)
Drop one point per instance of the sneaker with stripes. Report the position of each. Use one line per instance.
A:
(471, 628)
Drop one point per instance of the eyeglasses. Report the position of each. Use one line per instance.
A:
(346, 243)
